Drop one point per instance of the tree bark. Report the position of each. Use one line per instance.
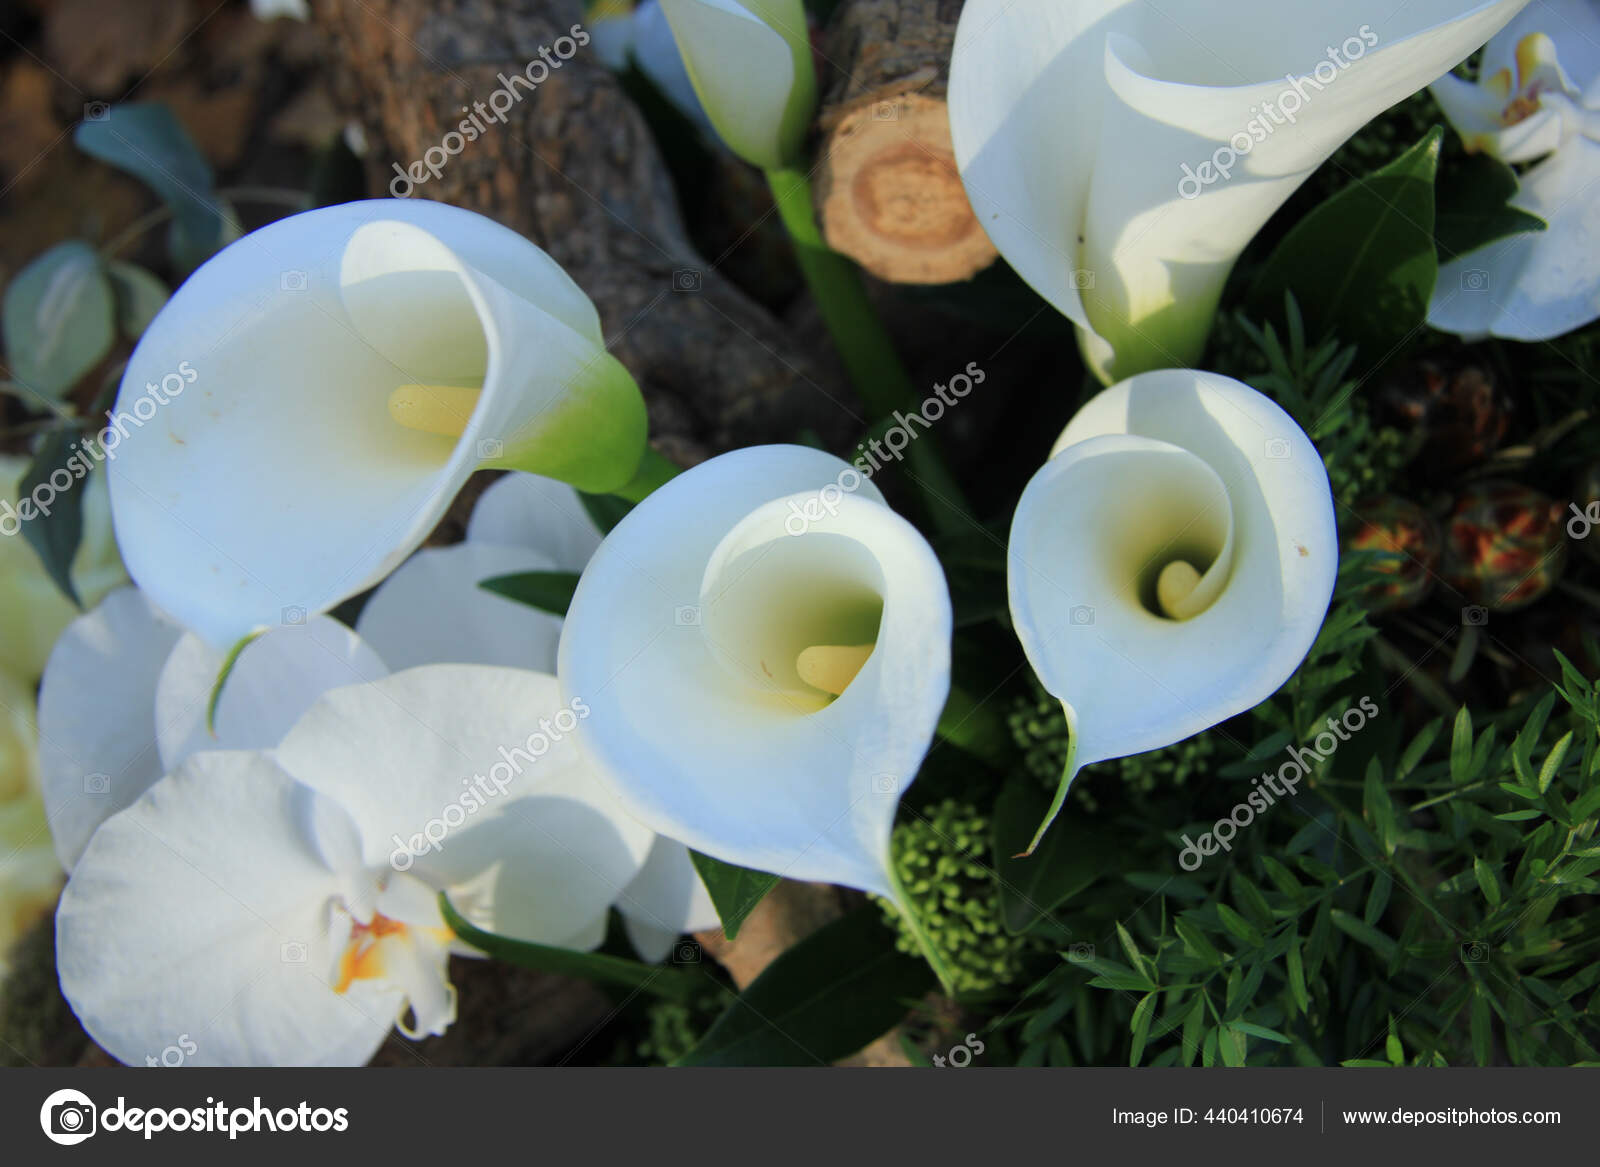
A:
(889, 195)
(573, 167)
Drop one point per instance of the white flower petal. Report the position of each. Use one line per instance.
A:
(751, 67)
(1170, 465)
(432, 611)
(656, 53)
(682, 638)
(277, 479)
(203, 911)
(470, 778)
(665, 900)
(1073, 125)
(97, 743)
(273, 682)
(1537, 285)
(541, 514)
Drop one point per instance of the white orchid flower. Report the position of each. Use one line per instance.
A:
(432, 609)
(1121, 154)
(282, 906)
(1538, 97)
(765, 650)
(351, 367)
(30, 877)
(32, 609)
(750, 62)
(1171, 564)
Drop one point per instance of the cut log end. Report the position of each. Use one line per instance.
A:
(890, 196)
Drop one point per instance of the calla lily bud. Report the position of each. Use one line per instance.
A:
(1170, 565)
(1407, 543)
(351, 367)
(765, 649)
(1121, 157)
(1505, 545)
(750, 61)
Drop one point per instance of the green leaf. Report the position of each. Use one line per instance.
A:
(1297, 976)
(671, 981)
(821, 1000)
(1552, 764)
(1362, 265)
(148, 142)
(57, 318)
(1487, 881)
(1260, 1031)
(605, 510)
(140, 295)
(1482, 1028)
(1364, 932)
(1239, 926)
(1461, 748)
(976, 727)
(734, 890)
(549, 591)
(1070, 857)
(54, 522)
(1472, 205)
(1142, 1013)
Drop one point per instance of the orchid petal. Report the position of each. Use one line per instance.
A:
(203, 912)
(541, 514)
(273, 682)
(97, 747)
(1536, 285)
(277, 480)
(682, 639)
(538, 848)
(665, 900)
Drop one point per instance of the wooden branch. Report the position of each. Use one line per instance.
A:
(573, 167)
(889, 195)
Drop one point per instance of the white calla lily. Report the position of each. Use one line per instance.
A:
(750, 63)
(610, 24)
(351, 367)
(655, 52)
(281, 906)
(1171, 564)
(709, 636)
(1122, 154)
(32, 609)
(1538, 97)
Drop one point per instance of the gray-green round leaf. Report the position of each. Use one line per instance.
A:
(57, 318)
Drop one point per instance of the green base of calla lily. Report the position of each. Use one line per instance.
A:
(1068, 773)
(594, 438)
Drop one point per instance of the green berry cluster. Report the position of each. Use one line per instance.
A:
(676, 1028)
(942, 861)
(1365, 459)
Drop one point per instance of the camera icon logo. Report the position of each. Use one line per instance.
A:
(67, 1117)
(1082, 279)
(687, 279)
(686, 616)
(884, 784)
(1081, 616)
(1474, 952)
(96, 111)
(886, 111)
(292, 281)
(292, 952)
(489, 448)
(686, 951)
(294, 615)
(1080, 953)
(1474, 279)
(1475, 616)
(1278, 449)
(97, 783)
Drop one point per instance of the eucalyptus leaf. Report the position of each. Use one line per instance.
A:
(56, 529)
(139, 295)
(58, 318)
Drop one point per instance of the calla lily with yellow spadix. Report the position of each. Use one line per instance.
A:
(765, 650)
(750, 62)
(1171, 564)
(279, 907)
(1092, 137)
(1537, 101)
(353, 365)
